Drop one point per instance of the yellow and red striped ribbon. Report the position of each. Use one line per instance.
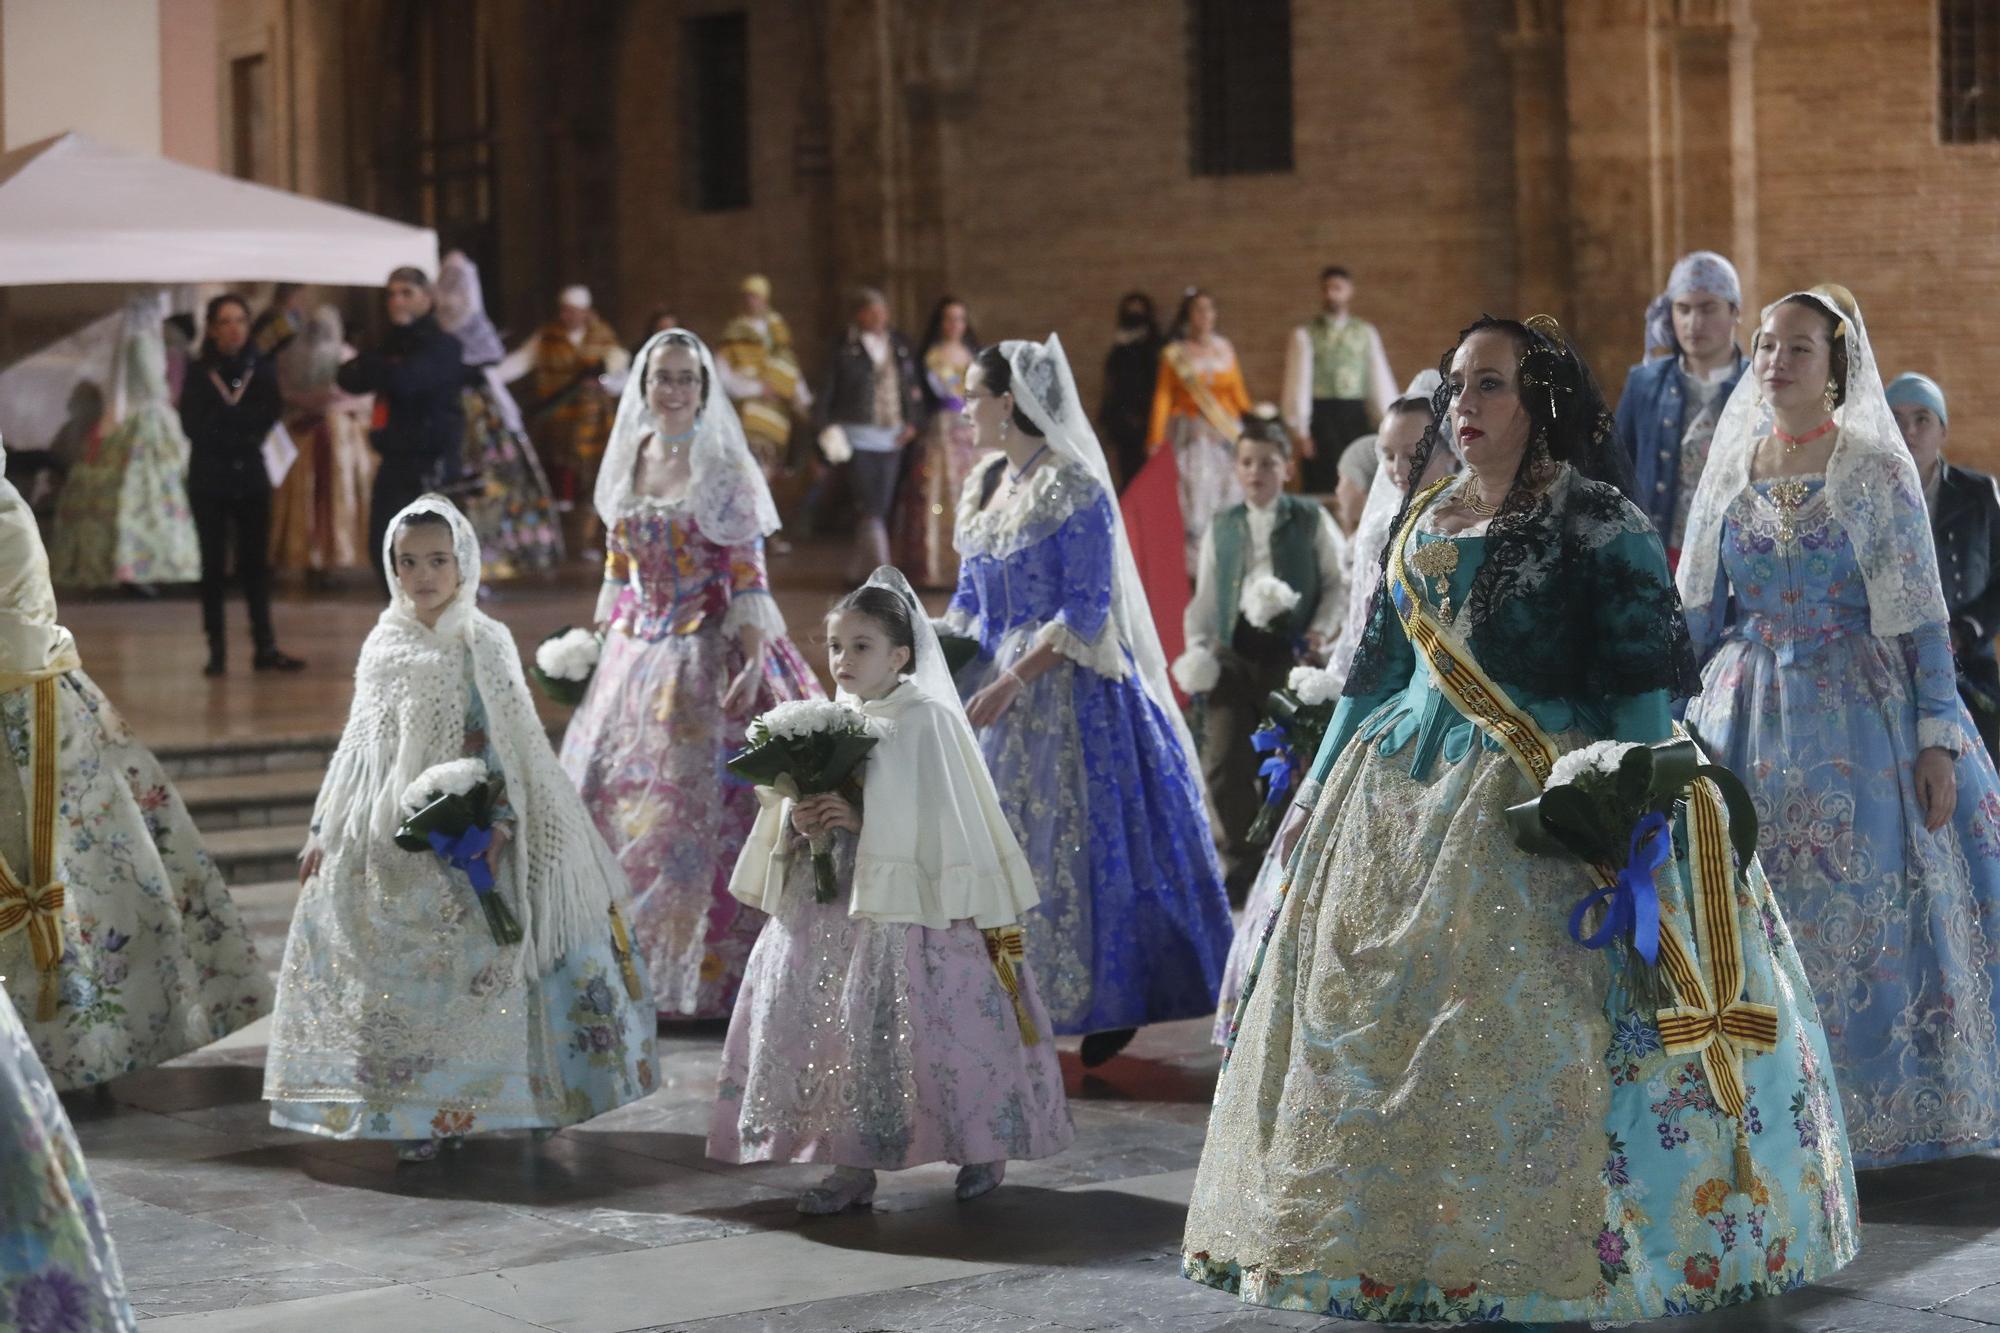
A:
(36, 905)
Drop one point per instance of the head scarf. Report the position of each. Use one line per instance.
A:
(1910, 389)
(461, 311)
(1359, 460)
(1704, 271)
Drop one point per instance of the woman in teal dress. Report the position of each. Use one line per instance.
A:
(1436, 1107)
(1809, 572)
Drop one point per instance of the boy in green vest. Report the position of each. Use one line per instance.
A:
(1239, 646)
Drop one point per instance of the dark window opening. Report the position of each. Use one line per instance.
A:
(718, 110)
(1968, 71)
(1240, 72)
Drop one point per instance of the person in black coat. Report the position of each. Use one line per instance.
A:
(417, 376)
(1131, 371)
(229, 403)
(874, 396)
(1965, 528)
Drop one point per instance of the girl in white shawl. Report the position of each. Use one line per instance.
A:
(399, 1016)
(898, 1024)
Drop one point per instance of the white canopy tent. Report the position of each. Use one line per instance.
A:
(73, 210)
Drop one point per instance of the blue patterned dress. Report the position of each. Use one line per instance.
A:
(1899, 927)
(57, 1268)
(1133, 926)
(1436, 1108)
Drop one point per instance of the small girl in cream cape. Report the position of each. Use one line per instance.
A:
(898, 1024)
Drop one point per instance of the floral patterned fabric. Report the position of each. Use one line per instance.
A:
(319, 513)
(867, 1044)
(123, 514)
(941, 459)
(1133, 925)
(58, 1272)
(1437, 1108)
(647, 746)
(155, 962)
(398, 1016)
(512, 509)
(1897, 925)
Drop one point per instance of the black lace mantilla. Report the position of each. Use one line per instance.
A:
(1536, 613)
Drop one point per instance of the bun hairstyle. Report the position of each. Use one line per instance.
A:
(886, 609)
(1836, 328)
(998, 377)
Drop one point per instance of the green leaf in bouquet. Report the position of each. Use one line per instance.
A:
(764, 762)
(1674, 765)
(450, 812)
(843, 754)
(1282, 706)
(1573, 818)
(1632, 785)
(1742, 810)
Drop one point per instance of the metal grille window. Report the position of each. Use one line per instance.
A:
(1240, 77)
(1968, 71)
(718, 110)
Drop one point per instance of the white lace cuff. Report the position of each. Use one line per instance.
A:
(607, 600)
(1102, 654)
(1942, 732)
(758, 610)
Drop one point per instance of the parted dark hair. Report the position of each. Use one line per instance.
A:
(1179, 328)
(423, 518)
(998, 377)
(1335, 271)
(216, 303)
(678, 338)
(1416, 405)
(1835, 340)
(411, 274)
(887, 609)
(1270, 431)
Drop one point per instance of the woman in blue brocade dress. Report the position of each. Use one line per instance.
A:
(1436, 1107)
(1076, 720)
(1809, 575)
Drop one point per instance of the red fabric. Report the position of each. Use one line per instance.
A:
(1154, 526)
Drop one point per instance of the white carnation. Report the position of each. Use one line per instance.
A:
(1267, 597)
(807, 717)
(1314, 685)
(1597, 757)
(455, 778)
(1196, 671)
(569, 656)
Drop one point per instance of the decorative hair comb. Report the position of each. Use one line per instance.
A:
(1547, 326)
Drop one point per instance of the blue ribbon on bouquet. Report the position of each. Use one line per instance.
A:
(1281, 769)
(1634, 897)
(463, 852)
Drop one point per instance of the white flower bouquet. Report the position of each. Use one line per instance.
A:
(1268, 599)
(806, 748)
(564, 663)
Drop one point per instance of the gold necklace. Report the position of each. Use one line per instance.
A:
(1477, 504)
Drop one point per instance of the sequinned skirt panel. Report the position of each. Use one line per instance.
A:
(58, 1269)
(1258, 910)
(1133, 925)
(647, 749)
(1899, 927)
(869, 1044)
(156, 961)
(398, 1017)
(1439, 1109)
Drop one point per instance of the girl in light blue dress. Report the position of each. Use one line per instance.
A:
(1812, 587)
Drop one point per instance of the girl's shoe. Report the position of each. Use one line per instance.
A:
(844, 1188)
(417, 1150)
(977, 1178)
(1101, 1046)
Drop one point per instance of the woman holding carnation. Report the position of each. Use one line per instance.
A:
(1809, 569)
(694, 646)
(1437, 1108)
(1078, 723)
(400, 1014)
(897, 1023)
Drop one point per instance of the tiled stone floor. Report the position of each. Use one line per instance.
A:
(224, 1223)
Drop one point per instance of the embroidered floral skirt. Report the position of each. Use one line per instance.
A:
(646, 749)
(1208, 485)
(156, 962)
(398, 1017)
(57, 1266)
(866, 1044)
(1133, 926)
(1439, 1109)
(123, 515)
(512, 509)
(1899, 927)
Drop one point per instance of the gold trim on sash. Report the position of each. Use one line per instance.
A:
(1712, 1018)
(36, 906)
(1008, 950)
(1227, 426)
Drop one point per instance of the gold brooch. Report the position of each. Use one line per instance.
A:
(1438, 561)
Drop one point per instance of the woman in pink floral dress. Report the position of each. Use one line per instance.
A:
(694, 648)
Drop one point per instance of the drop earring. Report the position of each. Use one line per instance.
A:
(1831, 397)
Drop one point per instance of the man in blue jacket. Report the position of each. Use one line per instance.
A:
(1668, 411)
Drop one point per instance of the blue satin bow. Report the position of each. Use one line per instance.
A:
(1634, 898)
(1281, 768)
(463, 852)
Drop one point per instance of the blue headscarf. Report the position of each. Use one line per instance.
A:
(1913, 390)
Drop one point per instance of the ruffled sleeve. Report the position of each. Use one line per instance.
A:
(617, 573)
(1081, 628)
(750, 600)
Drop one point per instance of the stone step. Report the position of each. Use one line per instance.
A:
(264, 755)
(258, 853)
(238, 800)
